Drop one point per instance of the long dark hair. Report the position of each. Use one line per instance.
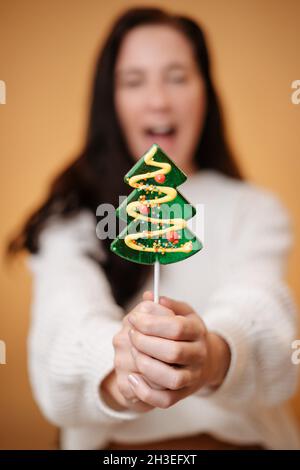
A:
(96, 175)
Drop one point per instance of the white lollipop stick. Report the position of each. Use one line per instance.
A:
(156, 281)
(156, 300)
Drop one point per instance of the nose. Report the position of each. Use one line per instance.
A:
(157, 97)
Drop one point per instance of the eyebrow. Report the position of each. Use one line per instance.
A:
(177, 65)
(130, 71)
(137, 71)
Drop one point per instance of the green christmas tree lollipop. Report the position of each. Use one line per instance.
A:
(156, 213)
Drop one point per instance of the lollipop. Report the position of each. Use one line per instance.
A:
(156, 215)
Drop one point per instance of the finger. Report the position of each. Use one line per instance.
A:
(140, 406)
(155, 398)
(134, 368)
(162, 374)
(148, 295)
(123, 360)
(153, 385)
(131, 399)
(170, 351)
(147, 306)
(174, 327)
(127, 392)
(124, 387)
(177, 306)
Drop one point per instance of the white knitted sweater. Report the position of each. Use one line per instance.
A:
(235, 283)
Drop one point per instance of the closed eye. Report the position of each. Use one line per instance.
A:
(177, 78)
(130, 79)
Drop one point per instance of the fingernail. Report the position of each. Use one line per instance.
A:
(133, 380)
(147, 292)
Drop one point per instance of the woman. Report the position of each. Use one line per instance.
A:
(110, 367)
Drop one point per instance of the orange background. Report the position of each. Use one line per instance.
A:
(47, 53)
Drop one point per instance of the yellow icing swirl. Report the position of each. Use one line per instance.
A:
(170, 195)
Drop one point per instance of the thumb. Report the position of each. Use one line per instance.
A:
(148, 295)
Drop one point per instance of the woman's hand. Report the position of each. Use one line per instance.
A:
(172, 348)
(115, 388)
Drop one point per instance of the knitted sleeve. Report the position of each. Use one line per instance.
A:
(74, 319)
(252, 308)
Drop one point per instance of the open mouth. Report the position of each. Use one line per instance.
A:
(160, 131)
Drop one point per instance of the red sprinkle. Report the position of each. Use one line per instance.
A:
(143, 209)
(173, 237)
(160, 178)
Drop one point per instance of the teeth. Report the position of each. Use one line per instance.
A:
(161, 129)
